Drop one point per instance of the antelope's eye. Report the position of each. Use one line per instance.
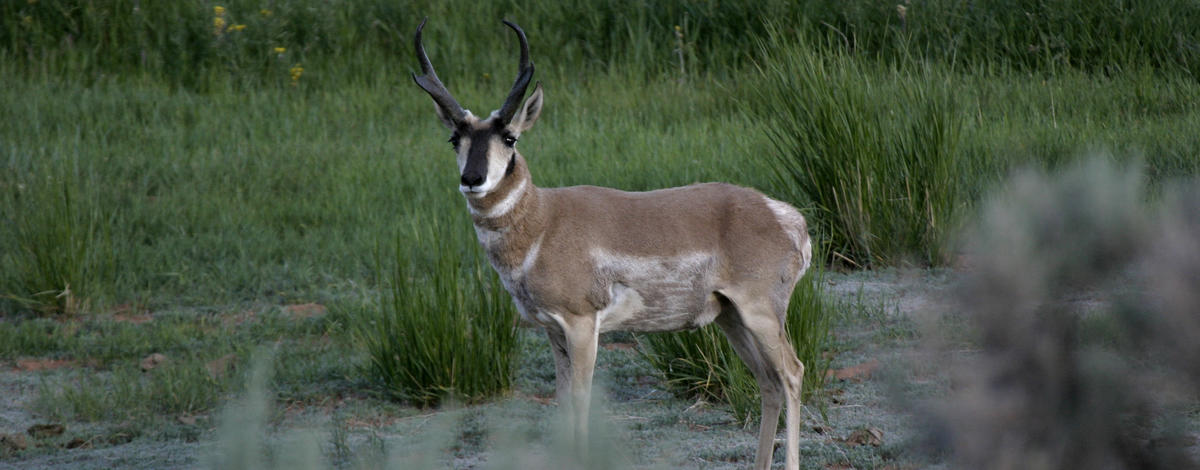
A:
(510, 140)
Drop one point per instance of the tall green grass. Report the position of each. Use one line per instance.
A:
(702, 364)
(875, 148)
(447, 329)
(1040, 36)
(187, 44)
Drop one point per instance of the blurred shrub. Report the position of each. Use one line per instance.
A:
(1085, 300)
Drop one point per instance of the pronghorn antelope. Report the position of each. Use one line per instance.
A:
(583, 260)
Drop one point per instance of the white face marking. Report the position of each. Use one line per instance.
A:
(498, 156)
(465, 143)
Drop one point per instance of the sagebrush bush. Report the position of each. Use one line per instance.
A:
(873, 147)
(702, 363)
(446, 328)
(1063, 383)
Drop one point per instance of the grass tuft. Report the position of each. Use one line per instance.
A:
(873, 147)
(446, 329)
(62, 255)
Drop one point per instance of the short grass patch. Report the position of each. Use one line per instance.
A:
(161, 377)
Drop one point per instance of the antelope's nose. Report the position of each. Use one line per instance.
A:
(472, 179)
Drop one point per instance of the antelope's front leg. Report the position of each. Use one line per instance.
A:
(562, 367)
(575, 361)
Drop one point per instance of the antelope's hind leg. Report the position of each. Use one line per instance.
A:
(769, 385)
(759, 338)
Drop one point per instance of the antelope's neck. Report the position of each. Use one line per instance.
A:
(510, 219)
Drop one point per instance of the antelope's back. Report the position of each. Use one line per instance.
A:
(748, 233)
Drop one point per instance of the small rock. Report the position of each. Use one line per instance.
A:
(865, 437)
(152, 361)
(42, 431)
(188, 420)
(13, 442)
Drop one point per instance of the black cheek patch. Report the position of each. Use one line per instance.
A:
(512, 164)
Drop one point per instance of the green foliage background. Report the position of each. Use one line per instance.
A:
(148, 156)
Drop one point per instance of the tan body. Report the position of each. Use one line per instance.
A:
(582, 260)
(677, 249)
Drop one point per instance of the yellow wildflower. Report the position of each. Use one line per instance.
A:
(218, 25)
(264, 12)
(237, 27)
(280, 50)
(219, 10)
(296, 71)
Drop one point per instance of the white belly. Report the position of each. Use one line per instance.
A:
(656, 293)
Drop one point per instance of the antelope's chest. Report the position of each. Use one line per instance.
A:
(513, 268)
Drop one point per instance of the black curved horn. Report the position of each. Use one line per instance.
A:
(430, 83)
(524, 75)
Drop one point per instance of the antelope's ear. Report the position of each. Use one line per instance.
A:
(530, 111)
